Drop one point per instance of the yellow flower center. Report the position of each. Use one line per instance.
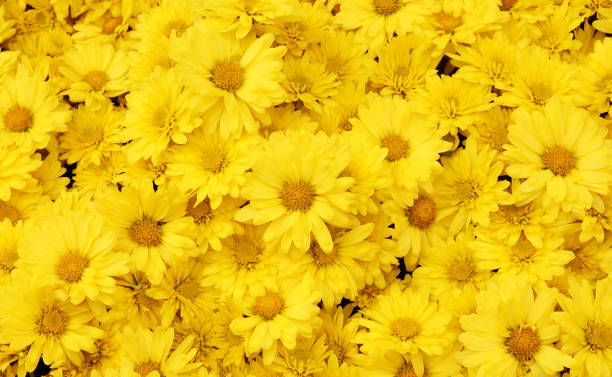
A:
(582, 262)
(214, 160)
(598, 336)
(71, 266)
(143, 369)
(448, 22)
(523, 343)
(146, 232)
(405, 328)
(516, 215)
(189, 289)
(367, 295)
(7, 260)
(200, 212)
(96, 79)
(227, 76)
(268, 305)
(387, 7)
(52, 322)
(321, 258)
(406, 371)
(523, 249)
(461, 271)
(507, 4)
(396, 147)
(541, 93)
(18, 119)
(246, 253)
(467, 191)
(7, 211)
(344, 123)
(103, 351)
(422, 212)
(559, 160)
(297, 196)
(337, 347)
(111, 24)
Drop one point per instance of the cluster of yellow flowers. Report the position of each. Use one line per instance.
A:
(339, 188)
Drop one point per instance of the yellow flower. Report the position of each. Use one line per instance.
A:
(597, 220)
(238, 79)
(6, 26)
(512, 332)
(16, 168)
(306, 358)
(562, 152)
(340, 329)
(134, 304)
(307, 81)
(593, 81)
(586, 321)
(10, 236)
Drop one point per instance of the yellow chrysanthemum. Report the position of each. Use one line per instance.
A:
(307, 81)
(6, 26)
(512, 332)
(92, 180)
(238, 79)
(10, 237)
(596, 222)
(306, 358)
(16, 168)
(286, 117)
(134, 304)
(339, 330)
(562, 152)
(206, 340)
(593, 81)
(394, 364)
(22, 205)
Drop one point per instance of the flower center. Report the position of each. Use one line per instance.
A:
(227, 76)
(523, 343)
(246, 253)
(515, 215)
(321, 258)
(189, 289)
(18, 119)
(448, 22)
(344, 123)
(52, 322)
(7, 260)
(396, 147)
(177, 26)
(523, 249)
(405, 328)
(71, 267)
(146, 232)
(507, 4)
(598, 336)
(406, 371)
(387, 7)
(582, 262)
(268, 305)
(541, 93)
(422, 212)
(213, 160)
(143, 369)
(461, 271)
(297, 196)
(110, 25)
(559, 160)
(467, 191)
(200, 212)
(96, 79)
(7, 211)
(368, 295)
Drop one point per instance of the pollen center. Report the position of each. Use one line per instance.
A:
(422, 212)
(541, 93)
(146, 232)
(448, 22)
(523, 249)
(189, 289)
(18, 119)
(396, 147)
(227, 76)
(406, 371)
(8, 211)
(71, 267)
(213, 160)
(507, 4)
(52, 322)
(200, 212)
(387, 7)
(143, 369)
(461, 271)
(297, 196)
(268, 305)
(598, 336)
(405, 328)
(96, 79)
(559, 160)
(321, 258)
(467, 191)
(246, 253)
(523, 343)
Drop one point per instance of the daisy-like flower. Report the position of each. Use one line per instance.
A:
(75, 254)
(378, 20)
(7, 29)
(339, 330)
(593, 81)
(301, 195)
(213, 225)
(562, 152)
(147, 353)
(343, 55)
(92, 135)
(182, 293)
(161, 111)
(281, 311)
(169, 20)
(491, 129)
(335, 119)
(150, 225)
(29, 111)
(95, 73)
(405, 321)
(58, 331)
(10, 236)
(394, 364)
(468, 188)
(413, 144)
(134, 304)
(586, 321)
(512, 332)
(596, 222)
(206, 340)
(337, 273)
(16, 169)
(92, 180)
(212, 165)
(451, 102)
(592, 259)
(21, 206)
(306, 358)
(286, 117)
(307, 81)
(241, 264)
(556, 31)
(239, 79)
